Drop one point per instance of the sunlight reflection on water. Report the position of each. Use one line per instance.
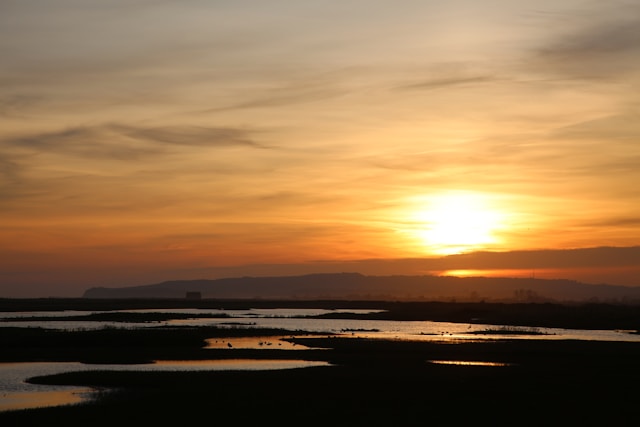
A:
(16, 393)
(41, 399)
(467, 363)
(290, 319)
(258, 343)
(233, 364)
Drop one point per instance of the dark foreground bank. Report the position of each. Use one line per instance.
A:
(373, 382)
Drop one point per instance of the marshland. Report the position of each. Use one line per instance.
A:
(165, 361)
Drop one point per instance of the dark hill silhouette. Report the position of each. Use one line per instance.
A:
(355, 286)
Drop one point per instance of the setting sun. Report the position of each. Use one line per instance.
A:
(458, 222)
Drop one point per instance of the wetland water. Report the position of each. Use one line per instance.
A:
(16, 393)
(300, 320)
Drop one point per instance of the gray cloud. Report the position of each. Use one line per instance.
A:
(196, 136)
(623, 127)
(15, 105)
(125, 142)
(300, 88)
(15, 185)
(10, 177)
(604, 45)
(83, 158)
(92, 142)
(9, 167)
(609, 39)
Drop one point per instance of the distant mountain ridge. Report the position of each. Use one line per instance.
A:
(355, 286)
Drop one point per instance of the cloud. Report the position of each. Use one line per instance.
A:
(586, 257)
(74, 165)
(604, 40)
(615, 222)
(604, 44)
(12, 106)
(10, 176)
(605, 147)
(621, 128)
(196, 136)
(9, 167)
(126, 142)
(300, 88)
(92, 142)
(445, 82)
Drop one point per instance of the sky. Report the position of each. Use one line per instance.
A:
(151, 140)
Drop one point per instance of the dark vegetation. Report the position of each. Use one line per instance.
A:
(371, 382)
(90, 304)
(509, 330)
(121, 317)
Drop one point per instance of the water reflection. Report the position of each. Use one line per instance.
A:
(233, 364)
(258, 343)
(467, 363)
(16, 393)
(295, 320)
(41, 399)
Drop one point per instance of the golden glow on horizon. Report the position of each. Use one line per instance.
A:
(520, 273)
(458, 222)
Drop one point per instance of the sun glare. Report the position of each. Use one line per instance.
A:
(457, 222)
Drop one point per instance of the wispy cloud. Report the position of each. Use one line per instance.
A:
(616, 128)
(600, 256)
(309, 90)
(196, 136)
(85, 165)
(447, 82)
(128, 142)
(95, 142)
(631, 222)
(15, 105)
(602, 43)
(10, 177)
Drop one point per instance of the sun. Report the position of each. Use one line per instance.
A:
(452, 223)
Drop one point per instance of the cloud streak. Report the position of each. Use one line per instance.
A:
(448, 82)
(605, 45)
(194, 136)
(127, 142)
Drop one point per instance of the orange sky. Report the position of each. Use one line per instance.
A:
(147, 141)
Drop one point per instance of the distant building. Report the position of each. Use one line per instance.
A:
(194, 295)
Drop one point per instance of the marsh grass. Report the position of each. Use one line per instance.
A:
(511, 330)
